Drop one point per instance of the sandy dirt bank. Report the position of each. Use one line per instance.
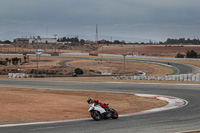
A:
(28, 105)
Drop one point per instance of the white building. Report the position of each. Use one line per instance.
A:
(34, 40)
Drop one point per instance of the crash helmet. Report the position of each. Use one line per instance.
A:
(89, 100)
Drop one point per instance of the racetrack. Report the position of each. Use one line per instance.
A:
(181, 68)
(177, 120)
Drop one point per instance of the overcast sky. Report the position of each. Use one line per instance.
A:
(150, 19)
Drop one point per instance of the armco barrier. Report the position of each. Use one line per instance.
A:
(181, 77)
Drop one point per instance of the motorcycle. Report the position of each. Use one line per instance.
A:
(97, 112)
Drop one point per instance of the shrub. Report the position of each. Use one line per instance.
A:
(179, 55)
(192, 54)
(78, 71)
(15, 61)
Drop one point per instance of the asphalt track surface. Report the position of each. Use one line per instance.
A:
(183, 68)
(176, 120)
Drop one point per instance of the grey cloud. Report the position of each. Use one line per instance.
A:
(152, 19)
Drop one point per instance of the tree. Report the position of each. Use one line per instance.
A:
(15, 61)
(25, 57)
(179, 55)
(123, 41)
(2, 62)
(78, 71)
(117, 42)
(82, 42)
(7, 42)
(7, 61)
(182, 41)
(192, 54)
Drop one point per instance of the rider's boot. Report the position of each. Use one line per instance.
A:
(107, 114)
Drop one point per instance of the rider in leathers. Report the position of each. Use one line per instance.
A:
(103, 105)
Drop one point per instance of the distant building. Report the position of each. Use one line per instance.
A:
(34, 40)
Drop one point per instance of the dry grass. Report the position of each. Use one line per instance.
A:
(149, 50)
(117, 67)
(189, 62)
(26, 105)
(99, 79)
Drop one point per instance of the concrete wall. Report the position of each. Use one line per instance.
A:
(18, 75)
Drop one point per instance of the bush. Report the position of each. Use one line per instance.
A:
(179, 55)
(2, 62)
(15, 61)
(192, 54)
(78, 71)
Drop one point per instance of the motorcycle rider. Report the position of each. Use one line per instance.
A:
(108, 113)
(103, 105)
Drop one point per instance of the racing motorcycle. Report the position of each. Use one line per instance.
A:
(97, 112)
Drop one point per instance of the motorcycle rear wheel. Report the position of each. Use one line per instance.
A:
(95, 115)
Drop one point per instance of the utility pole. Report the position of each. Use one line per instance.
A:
(96, 34)
(37, 63)
(124, 55)
(38, 52)
(55, 35)
(102, 54)
(47, 31)
(55, 44)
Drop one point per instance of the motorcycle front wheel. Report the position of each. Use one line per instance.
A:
(114, 114)
(95, 115)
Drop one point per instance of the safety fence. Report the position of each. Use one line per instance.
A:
(181, 77)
